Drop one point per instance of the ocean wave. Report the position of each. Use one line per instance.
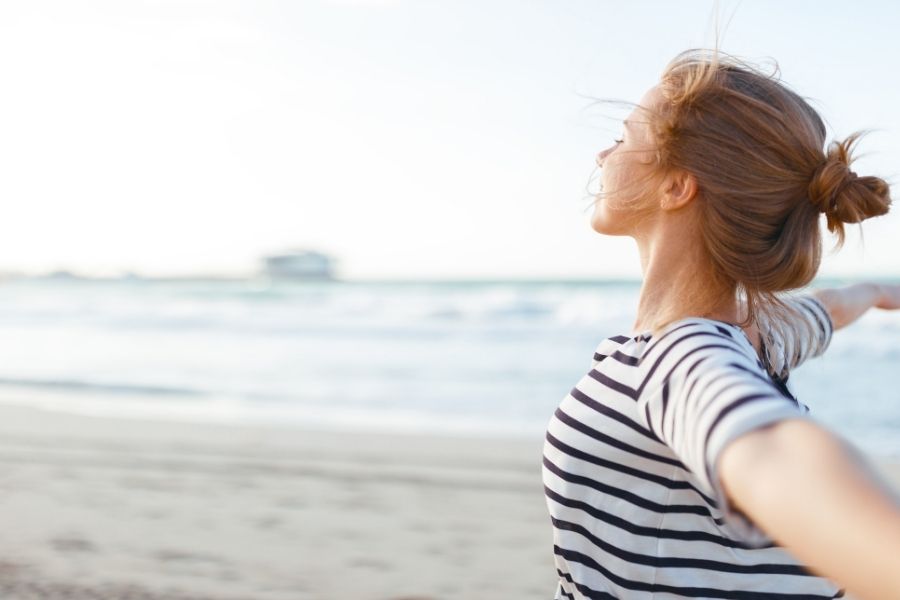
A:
(96, 387)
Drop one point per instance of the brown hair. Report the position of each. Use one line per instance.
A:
(764, 174)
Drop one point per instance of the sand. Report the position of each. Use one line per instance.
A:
(111, 508)
(99, 508)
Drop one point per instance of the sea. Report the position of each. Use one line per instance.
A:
(476, 358)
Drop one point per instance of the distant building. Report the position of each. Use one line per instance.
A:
(301, 264)
(60, 275)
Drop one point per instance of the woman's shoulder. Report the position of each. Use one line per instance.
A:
(798, 329)
(692, 335)
(681, 344)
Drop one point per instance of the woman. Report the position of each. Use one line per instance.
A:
(681, 465)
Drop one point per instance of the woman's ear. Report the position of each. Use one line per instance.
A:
(678, 189)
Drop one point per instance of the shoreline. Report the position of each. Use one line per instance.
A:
(106, 507)
(184, 409)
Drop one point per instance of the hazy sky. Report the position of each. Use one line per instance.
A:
(408, 138)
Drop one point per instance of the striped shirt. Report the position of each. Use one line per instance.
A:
(629, 464)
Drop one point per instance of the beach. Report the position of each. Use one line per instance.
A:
(116, 508)
(106, 508)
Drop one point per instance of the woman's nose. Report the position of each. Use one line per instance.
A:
(601, 157)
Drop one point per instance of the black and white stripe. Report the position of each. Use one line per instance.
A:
(629, 465)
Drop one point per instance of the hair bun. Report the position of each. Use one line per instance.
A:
(829, 180)
(841, 194)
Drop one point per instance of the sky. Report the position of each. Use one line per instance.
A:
(407, 138)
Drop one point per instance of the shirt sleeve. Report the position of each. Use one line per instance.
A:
(792, 338)
(705, 392)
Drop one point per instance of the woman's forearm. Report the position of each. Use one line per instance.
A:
(847, 304)
(821, 500)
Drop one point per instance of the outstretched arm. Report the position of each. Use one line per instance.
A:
(820, 499)
(847, 304)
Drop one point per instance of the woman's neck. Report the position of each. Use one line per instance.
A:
(678, 281)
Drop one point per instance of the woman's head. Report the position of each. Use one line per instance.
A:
(763, 174)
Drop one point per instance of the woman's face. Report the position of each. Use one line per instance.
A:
(626, 167)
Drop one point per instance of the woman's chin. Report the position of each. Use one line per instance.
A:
(601, 223)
